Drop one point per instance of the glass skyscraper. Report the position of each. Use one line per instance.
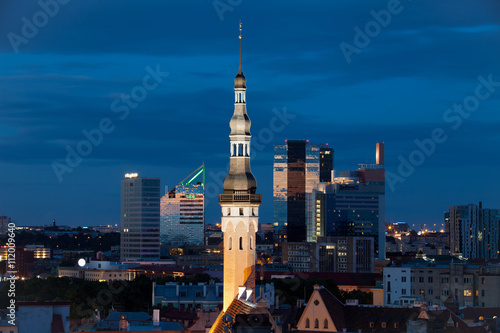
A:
(298, 168)
(352, 204)
(140, 218)
(474, 231)
(183, 211)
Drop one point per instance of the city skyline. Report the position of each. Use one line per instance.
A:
(395, 85)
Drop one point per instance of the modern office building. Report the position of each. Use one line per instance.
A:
(299, 167)
(352, 204)
(140, 218)
(183, 211)
(474, 231)
(343, 254)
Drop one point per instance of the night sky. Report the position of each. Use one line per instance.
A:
(346, 73)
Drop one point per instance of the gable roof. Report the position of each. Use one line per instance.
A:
(322, 300)
(335, 308)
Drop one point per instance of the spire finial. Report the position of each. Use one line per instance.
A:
(240, 70)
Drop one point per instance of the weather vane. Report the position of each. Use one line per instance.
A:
(240, 28)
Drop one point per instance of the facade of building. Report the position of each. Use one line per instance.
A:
(433, 279)
(183, 211)
(140, 218)
(330, 254)
(39, 251)
(353, 204)
(488, 286)
(299, 167)
(474, 231)
(325, 313)
(97, 271)
(205, 296)
(43, 317)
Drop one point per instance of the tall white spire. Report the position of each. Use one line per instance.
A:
(239, 203)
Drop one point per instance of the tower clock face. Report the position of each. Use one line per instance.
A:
(81, 262)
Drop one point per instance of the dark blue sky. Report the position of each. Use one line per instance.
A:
(397, 84)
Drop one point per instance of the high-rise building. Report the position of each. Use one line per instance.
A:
(474, 231)
(344, 254)
(353, 204)
(298, 167)
(183, 211)
(239, 204)
(140, 218)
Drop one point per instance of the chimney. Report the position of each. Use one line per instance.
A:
(156, 317)
(379, 155)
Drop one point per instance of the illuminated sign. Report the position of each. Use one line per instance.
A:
(131, 175)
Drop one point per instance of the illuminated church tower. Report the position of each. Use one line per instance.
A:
(239, 204)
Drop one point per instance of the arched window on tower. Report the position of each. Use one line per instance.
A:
(240, 149)
(308, 323)
(316, 323)
(251, 243)
(230, 245)
(326, 323)
(234, 150)
(241, 243)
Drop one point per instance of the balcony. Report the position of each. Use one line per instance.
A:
(253, 198)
